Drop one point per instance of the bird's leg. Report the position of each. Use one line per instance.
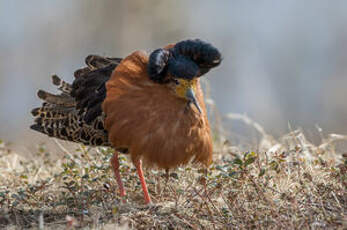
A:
(167, 176)
(138, 165)
(115, 166)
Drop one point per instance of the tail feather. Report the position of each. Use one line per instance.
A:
(49, 114)
(75, 114)
(98, 62)
(62, 85)
(60, 99)
(49, 111)
(80, 72)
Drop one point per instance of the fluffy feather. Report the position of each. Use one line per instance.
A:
(75, 114)
(153, 123)
(133, 98)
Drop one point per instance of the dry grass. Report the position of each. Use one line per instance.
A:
(288, 184)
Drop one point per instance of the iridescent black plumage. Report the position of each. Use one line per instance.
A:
(187, 59)
(180, 66)
(157, 67)
(202, 53)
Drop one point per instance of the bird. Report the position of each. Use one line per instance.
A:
(149, 105)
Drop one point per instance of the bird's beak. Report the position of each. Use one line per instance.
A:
(190, 95)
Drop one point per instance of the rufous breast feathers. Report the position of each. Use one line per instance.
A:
(151, 121)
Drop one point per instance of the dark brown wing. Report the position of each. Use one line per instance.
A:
(75, 114)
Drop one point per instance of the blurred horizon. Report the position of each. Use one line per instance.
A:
(283, 62)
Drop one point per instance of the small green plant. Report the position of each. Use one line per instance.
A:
(296, 187)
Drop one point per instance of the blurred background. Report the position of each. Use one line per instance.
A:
(285, 62)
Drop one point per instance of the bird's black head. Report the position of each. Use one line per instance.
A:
(187, 59)
(182, 64)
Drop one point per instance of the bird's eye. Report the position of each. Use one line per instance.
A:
(176, 81)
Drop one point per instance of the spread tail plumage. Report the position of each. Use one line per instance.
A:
(75, 114)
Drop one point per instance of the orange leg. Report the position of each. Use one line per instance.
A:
(138, 166)
(115, 166)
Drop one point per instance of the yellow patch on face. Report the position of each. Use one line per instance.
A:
(183, 85)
